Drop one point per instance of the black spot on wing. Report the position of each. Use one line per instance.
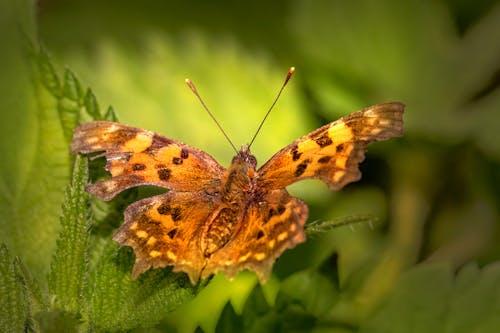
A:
(164, 174)
(323, 140)
(159, 141)
(138, 166)
(324, 159)
(301, 168)
(171, 234)
(123, 134)
(274, 212)
(164, 209)
(174, 212)
(295, 153)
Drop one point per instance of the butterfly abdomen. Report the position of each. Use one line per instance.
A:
(235, 193)
(220, 229)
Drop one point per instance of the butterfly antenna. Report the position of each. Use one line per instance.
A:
(288, 76)
(193, 89)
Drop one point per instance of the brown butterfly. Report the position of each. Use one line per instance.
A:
(216, 219)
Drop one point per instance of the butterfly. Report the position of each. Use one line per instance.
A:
(224, 219)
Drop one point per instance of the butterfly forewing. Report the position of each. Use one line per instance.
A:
(139, 157)
(333, 152)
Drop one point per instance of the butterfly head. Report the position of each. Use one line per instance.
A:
(245, 157)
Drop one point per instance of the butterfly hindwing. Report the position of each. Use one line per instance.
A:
(333, 152)
(140, 157)
(166, 229)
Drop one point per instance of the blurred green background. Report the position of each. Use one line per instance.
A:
(435, 192)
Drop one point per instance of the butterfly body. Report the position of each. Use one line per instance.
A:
(236, 192)
(216, 219)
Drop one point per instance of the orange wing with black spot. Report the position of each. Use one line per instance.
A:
(333, 152)
(140, 157)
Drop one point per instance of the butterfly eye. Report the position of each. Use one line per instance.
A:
(252, 161)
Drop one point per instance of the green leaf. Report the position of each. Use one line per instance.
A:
(428, 298)
(72, 88)
(68, 105)
(68, 268)
(48, 76)
(13, 307)
(118, 303)
(91, 105)
(110, 115)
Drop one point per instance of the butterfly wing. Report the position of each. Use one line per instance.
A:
(333, 152)
(139, 157)
(165, 230)
(269, 227)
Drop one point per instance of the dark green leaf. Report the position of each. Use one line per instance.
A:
(229, 321)
(259, 316)
(256, 305)
(316, 292)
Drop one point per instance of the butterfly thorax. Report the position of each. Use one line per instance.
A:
(236, 189)
(238, 178)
